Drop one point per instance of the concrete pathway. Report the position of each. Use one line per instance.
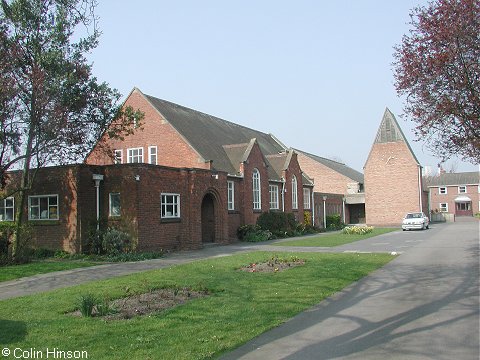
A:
(422, 305)
(60, 279)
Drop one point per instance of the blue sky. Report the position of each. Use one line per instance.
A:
(316, 74)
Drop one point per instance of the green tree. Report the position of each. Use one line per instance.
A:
(53, 110)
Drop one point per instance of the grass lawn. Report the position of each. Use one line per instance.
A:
(241, 305)
(12, 272)
(333, 239)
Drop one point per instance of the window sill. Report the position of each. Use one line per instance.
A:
(257, 211)
(170, 220)
(44, 222)
(233, 212)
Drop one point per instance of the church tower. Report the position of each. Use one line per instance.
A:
(393, 176)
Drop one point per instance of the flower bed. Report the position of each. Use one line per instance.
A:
(357, 230)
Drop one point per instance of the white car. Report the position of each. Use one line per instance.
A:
(416, 220)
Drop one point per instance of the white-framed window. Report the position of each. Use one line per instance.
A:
(114, 204)
(464, 206)
(231, 195)
(135, 155)
(118, 157)
(442, 190)
(462, 189)
(294, 193)
(306, 198)
(43, 207)
(152, 155)
(257, 192)
(274, 197)
(443, 207)
(7, 209)
(170, 208)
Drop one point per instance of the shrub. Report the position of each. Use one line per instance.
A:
(307, 218)
(111, 241)
(334, 222)
(357, 230)
(257, 236)
(253, 233)
(279, 224)
(243, 230)
(6, 233)
(116, 242)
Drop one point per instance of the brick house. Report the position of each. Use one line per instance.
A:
(454, 193)
(183, 179)
(393, 176)
(341, 186)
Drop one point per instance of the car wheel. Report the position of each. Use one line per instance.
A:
(428, 227)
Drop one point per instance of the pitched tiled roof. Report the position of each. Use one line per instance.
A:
(336, 166)
(446, 179)
(211, 136)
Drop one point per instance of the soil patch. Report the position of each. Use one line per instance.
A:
(275, 264)
(145, 304)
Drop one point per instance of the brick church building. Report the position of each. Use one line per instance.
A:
(184, 179)
(393, 176)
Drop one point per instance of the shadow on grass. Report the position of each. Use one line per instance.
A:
(12, 331)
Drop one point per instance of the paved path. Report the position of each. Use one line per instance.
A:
(55, 280)
(422, 305)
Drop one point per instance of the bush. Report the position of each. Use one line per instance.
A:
(279, 224)
(23, 251)
(261, 235)
(307, 218)
(6, 233)
(357, 230)
(111, 241)
(334, 222)
(116, 242)
(253, 233)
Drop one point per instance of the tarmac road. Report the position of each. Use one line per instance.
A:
(422, 305)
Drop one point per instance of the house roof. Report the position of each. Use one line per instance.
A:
(389, 131)
(214, 138)
(336, 166)
(452, 179)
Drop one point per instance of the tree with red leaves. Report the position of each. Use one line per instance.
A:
(52, 109)
(437, 69)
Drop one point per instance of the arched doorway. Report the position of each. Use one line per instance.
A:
(208, 218)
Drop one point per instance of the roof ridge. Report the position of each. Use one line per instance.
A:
(321, 157)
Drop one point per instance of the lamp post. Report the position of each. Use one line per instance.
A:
(324, 212)
(97, 178)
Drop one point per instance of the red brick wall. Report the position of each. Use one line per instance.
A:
(141, 204)
(254, 161)
(294, 170)
(53, 234)
(235, 217)
(391, 184)
(172, 149)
